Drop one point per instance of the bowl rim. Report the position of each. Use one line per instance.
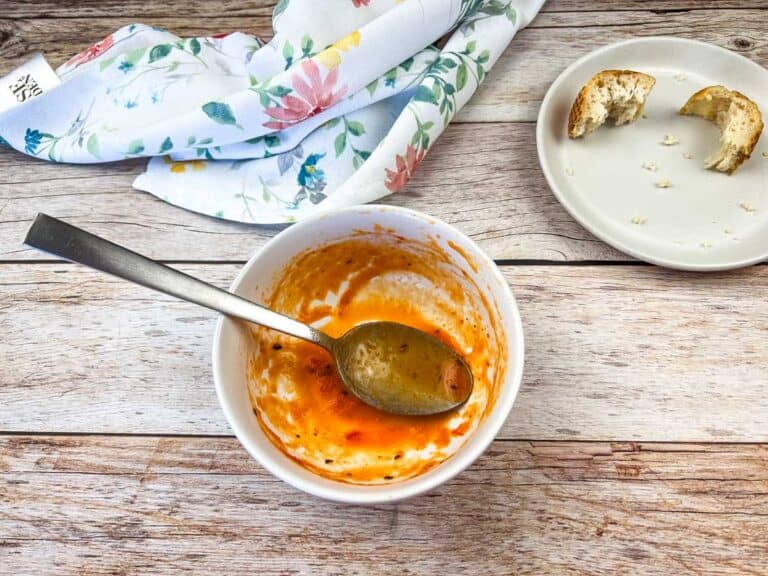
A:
(467, 453)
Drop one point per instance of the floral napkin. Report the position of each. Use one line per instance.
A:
(338, 109)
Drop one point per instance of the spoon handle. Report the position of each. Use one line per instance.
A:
(61, 239)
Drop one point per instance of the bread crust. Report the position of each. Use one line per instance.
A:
(598, 98)
(739, 119)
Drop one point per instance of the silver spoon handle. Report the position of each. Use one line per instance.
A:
(61, 239)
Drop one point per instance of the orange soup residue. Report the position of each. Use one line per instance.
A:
(299, 398)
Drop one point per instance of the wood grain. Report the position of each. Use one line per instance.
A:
(119, 505)
(629, 352)
(613, 352)
(492, 190)
(515, 87)
(263, 8)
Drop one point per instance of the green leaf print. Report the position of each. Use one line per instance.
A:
(306, 45)
(340, 143)
(271, 140)
(194, 46)
(356, 128)
(221, 113)
(93, 145)
(159, 52)
(424, 94)
(136, 146)
(107, 63)
(461, 77)
(288, 54)
(279, 91)
(166, 145)
(191, 140)
(279, 8)
(470, 47)
(134, 55)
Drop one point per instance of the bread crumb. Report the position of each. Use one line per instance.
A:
(670, 140)
(644, 116)
(747, 207)
(705, 244)
(687, 155)
(765, 154)
(639, 220)
(727, 231)
(650, 165)
(664, 183)
(679, 76)
(569, 171)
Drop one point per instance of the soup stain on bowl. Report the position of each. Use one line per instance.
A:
(297, 394)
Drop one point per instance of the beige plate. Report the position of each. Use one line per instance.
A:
(706, 220)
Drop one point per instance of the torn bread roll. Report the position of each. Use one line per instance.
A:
(618, 95)
(738, 118)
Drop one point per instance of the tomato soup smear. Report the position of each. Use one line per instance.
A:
(297, 394)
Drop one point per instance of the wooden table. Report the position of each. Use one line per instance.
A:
(638, 443)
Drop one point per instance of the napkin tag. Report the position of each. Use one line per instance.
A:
(26, 82)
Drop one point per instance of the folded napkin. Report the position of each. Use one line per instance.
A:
(338, 109)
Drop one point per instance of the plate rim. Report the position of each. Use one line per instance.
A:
(597, 231)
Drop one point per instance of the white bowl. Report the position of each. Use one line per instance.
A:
(232, 341)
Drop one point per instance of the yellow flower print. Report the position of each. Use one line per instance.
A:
(331, 56)
(181, 167)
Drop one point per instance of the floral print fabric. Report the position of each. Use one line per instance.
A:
(339, 108)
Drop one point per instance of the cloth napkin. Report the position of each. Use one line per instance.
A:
(338, 109)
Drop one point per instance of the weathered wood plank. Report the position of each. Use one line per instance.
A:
(493, 190)
(517, 84)
(263, 8)
(630, 352)
(168, 505)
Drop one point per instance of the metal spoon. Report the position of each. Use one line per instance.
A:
(388, 365)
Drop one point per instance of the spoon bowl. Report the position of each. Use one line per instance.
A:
(403, 370)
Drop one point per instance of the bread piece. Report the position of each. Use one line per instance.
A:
(738, 118)
(616, 94)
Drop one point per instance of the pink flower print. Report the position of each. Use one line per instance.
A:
(359, 3)
(91, 52)
(405, 167)
(310, 97)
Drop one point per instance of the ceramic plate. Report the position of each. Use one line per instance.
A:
(705, 220)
